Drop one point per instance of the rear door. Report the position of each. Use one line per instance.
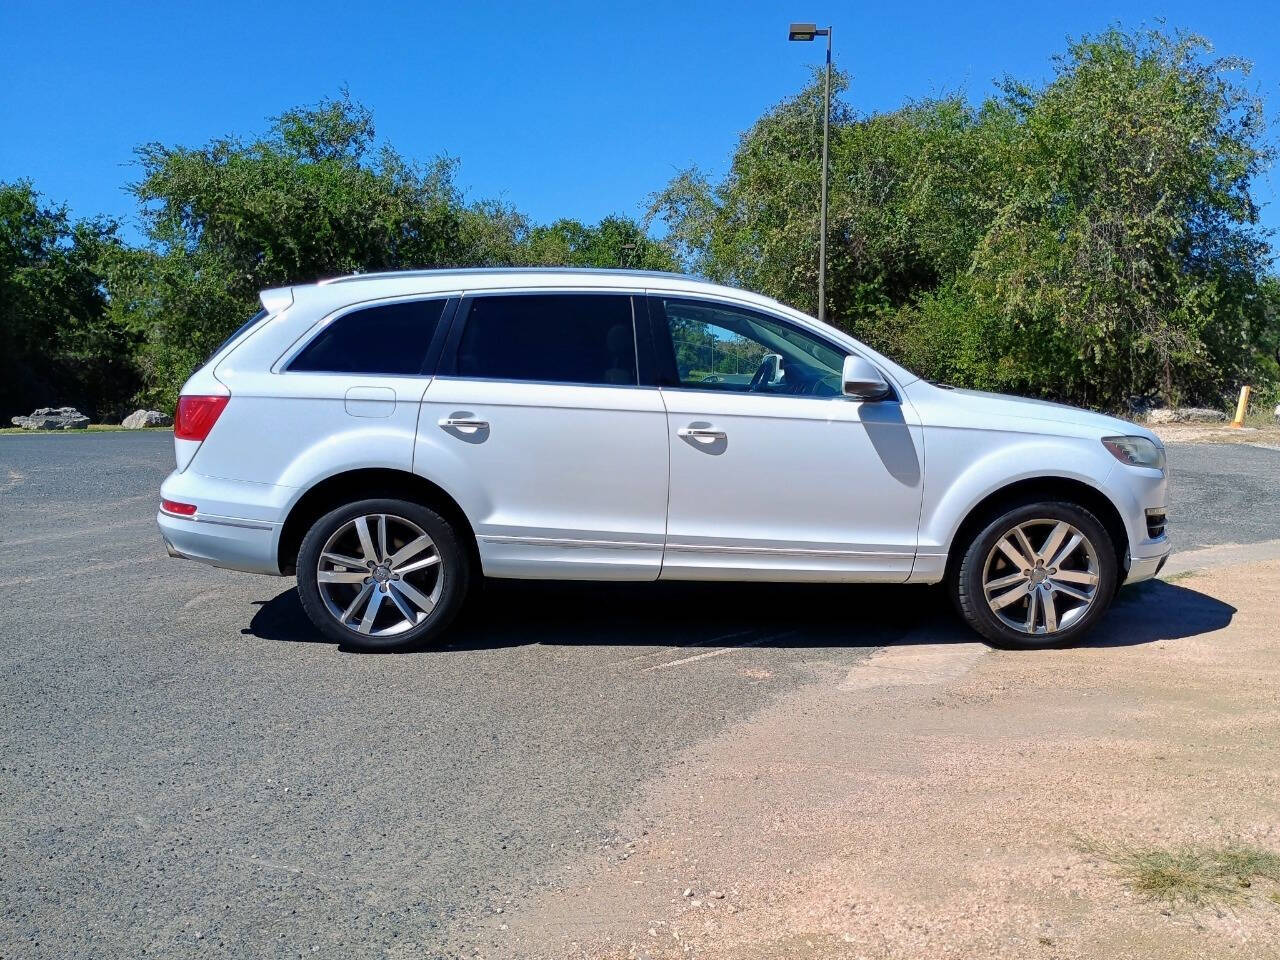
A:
(535, 422)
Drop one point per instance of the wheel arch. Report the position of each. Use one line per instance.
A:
(363, 484)
(1049, 487)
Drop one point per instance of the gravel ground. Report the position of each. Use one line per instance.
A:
(1223, 494)
(949, 801)
(185, 770)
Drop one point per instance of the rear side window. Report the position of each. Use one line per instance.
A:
(556, 338)
(391, 339)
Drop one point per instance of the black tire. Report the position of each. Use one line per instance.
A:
(967, 583)
(454, 572)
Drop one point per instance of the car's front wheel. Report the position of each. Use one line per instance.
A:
(382, 574)
(1038, 575)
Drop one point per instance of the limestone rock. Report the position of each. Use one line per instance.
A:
(1186, 415)
(53, 418)
(146, 418)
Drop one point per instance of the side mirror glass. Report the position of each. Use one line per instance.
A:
(772, 364)
(862, 381)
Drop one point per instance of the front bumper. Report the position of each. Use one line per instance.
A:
(1140, 495)
(1145, 568)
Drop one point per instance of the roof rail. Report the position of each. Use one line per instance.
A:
(471, 271)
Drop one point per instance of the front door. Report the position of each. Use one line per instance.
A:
(774, 473)
(536, 424)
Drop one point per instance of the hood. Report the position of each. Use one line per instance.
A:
(996, 407)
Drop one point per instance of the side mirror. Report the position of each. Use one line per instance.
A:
(861, 381)
(772, 364)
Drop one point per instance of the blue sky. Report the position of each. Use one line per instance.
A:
(573, 109)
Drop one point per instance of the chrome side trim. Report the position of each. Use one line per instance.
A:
(229, 522)
(220, 521)
(689, 547)
(786, 551)
(549, 383)
(585, 544)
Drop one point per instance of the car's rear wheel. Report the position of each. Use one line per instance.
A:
(382, 574)
(1038, 575)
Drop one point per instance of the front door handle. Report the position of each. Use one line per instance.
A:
(463, 423)
(701, 433)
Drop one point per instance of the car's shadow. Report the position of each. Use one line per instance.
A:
(508, 613)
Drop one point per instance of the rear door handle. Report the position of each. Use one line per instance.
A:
(701, 433)
(463, 423)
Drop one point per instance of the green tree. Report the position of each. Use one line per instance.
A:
(1091, 239)
(1126, 254)
(910, 196)
(312, 198)
(615, 242)
(309, 199)
(60, 345)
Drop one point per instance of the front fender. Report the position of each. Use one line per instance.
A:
(967, 466)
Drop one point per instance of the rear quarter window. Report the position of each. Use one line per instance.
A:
(391, 338)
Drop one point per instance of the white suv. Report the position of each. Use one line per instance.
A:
(390, 438)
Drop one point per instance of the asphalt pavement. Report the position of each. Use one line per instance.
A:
(186, 769)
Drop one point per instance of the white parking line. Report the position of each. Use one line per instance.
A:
(684, 646)
(717, 653)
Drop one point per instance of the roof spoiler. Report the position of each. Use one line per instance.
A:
(276, 299)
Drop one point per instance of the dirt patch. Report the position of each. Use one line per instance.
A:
(932, 802)
(1216, 433)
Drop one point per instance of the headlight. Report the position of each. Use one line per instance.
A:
(1136, 451)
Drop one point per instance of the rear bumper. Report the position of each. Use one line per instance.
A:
(236, 524)
(221, 541)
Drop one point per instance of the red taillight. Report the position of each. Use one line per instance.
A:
(181, 509)
(196, 416)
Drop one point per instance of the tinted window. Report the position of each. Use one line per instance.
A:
(561, 338)
(392, 338)
(718, 347)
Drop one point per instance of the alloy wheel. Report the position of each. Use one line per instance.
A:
(380, 575)
(1041, 576)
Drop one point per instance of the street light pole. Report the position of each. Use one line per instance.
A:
(822, 236)
(807, 32)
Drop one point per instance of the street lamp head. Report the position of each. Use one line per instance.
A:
(803, 31)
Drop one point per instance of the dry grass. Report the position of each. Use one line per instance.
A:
(1191, 875)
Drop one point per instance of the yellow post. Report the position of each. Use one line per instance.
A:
(1242, 407)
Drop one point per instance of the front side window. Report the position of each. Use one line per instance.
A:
(719, 347)
(553, 338)
(390, 338)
